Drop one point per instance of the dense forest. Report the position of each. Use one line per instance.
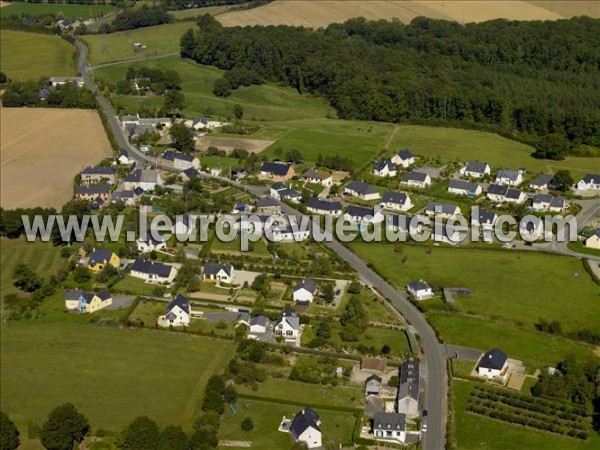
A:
(523, 79)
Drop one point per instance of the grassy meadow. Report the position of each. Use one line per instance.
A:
(68, 11)
(26, 56)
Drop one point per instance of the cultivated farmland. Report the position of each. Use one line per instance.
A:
(43, 150)
(27, 56)
(316, 14)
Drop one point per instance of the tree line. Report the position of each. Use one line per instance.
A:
(526, 79)
(39, 93)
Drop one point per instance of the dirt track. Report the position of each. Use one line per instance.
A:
(43, 149)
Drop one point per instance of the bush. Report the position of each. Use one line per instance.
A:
(247, 424)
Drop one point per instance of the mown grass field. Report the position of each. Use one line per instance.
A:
(514, 286)
(473, 432)
(26, 56)
(111, 375)
(68, 11)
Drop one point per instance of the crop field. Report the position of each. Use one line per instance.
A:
(319, 14)
(514, 286)
(26, 56)
(111, 375)
(68, 11)
(41, 153)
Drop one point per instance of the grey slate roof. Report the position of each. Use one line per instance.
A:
(259, 320)
(275, 168)
(360, 211)
(102, 255)
(510, 174)
(290, 318)
(306, 283)
(541, 180)
(513, 193)
(278, 186)
(497, 189)
(399, 198)
(289, 193)
(555, 202)
(591, 177)
(98, 170)
(142, 175)
(315, 174)
(464, 185)
(151, 268)
(215, 268)
(486, 216)
(405, 154)
(180, 301)
(414, 176)
(389, 421)
(382, 163)
(476, 167)
(409, 380)
(266, 203)
(324, 205)
(493, 359)
(172, 155)
(303, 420)
(443, 208)
(361, 188)
(92, 189)
(374, 377)
(418, 285)
(191, 173)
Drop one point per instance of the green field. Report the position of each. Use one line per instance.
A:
(27, 56)
(452, 144)
(68, 11)
(515, 286)
(473, 432)
(111, 375)
(159, 40)
(195, 12)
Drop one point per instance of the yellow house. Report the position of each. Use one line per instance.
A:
(100, 258)
(594, 240)
(87, 302)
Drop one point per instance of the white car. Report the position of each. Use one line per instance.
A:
(424, 429)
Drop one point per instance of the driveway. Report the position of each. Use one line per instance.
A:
(241, 276)
(121, 302)
(462, 353)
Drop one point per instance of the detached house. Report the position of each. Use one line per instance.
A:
(389, 427)
(547, 202)
(146, 179)
(100, 258)
(305, 291)
(326, 207)
(150, 243)
(541, 182)
(419, 289)
(373, 385)
(97, 174)
(594, 240)
(441, 209)
(86, 302)
(403, 158)
(501, 194)
(288, 326)
(178, 312)
(59, 81)
(276, 171)
(398, 201)
(416, 179)
(589, 182)
(363, 216)
(258, 326)
(305, 427)
(509, 177)
(267, 206)
(361, 190)
(180, 161)
(317, 177)
(493, 364)
(220, 272)
(408, 389)
(461, 187)
(475, 169)
(486, 220)
(92, 192)
(153, 272)
(384, 168)
(281, 192)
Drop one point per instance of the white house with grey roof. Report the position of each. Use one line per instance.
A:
(258, 326)
(179, 160)
(317, 177)
(177, 313)
(153, 271)
(388, 426)
(146, 179)
(306, 427)
(493, 364)
(384, 168)
(408, 389)
(462, 187)
(547, 202)
(220, 272)
(287, 326)
(441, 209)
(361, 190)
(419, 289)
(509, 177)
(363, 216)
(589, 182)
(416, 179)
(504, 194)
(325, 207)
(151, 243)
(305, 291)
(486, 220)
(541, 182)
(475, 169)
(403, 158)
(397, 201)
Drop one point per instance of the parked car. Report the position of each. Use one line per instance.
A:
(425, 413)
(424, 429)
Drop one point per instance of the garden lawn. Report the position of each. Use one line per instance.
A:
(535, 349)
(518, 286)
(134, 286)
(27, 56)
(68, 11)
(111, 375)
(473, 432)
(470, 145)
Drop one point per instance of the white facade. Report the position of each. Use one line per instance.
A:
(478, 173)
(589, 182)
(593, 241)
(177, 317)
(148, 245)
(397, 160)
(312, 437)
(283, 328)
(398, 206)
(303, 295)
(409, 406)
(508, 181)
(154, 278)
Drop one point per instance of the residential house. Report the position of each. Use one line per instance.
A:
(448, 234)
(276, 171)
(288, 326)
(486, 220)
(281, 192)
(188, 174)
(594, 240)
(384, 168)
(461, 187)
(287, 233)
(493, 365)
(178, 312)
(501, 194)
(398, 201)
(130, 120)
(305, 291)
(408, 389)
(373, 385)
(147, 179)
(129, 198)
(96, 174)
(532, 228)
(419, 289)
(403, 158)
(86, 302)
(186, 225)
(547, 202)
(317, 177)
(92, 192)
(441, 209)
(215, 171)
(589, 182)
(361, 190)
(202, 123)
(475, 169)
(59, 81)
(541, 182)
(275, 188)
(305, 427)
(326, 207)
(389, 427)
(100, 258)
(220, 272)
(267, 206)
(363, 215)
(152, 271)
(239, 173)
(509, 177)
(155, 122)
(150, 243)
(416, 179)
(180, 161)
(371, 364)
(258, 326)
